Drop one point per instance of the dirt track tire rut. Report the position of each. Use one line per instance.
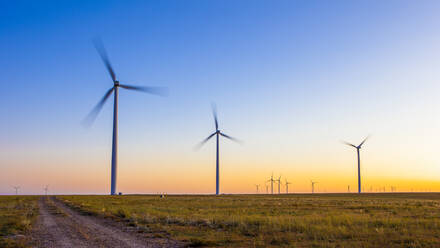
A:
(60, 226)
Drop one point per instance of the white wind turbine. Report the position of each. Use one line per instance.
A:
(279, 184)
(358, 148)
(313, 186)
(46, 189)
(217, 133)
(115, 89)
(271, 183)
(287, 185)
(16, 189)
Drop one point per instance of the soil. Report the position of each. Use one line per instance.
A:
(60, 226)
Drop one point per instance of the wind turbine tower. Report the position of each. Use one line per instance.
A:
(257, 186)
(46, 189)
(271, 183)
(287, 185)
(16, 189)
(115, 89)
(313, 186)
(358, 148)
(279, 184)
(217, 133)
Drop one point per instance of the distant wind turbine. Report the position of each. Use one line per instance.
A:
(279, 184)
(258, 186)
(287, 185)
(217, 133)
(46, 188)
(267, 188)
(359, 160)
(115, 89)
(271, 183)
(313, 186)
(16, 189)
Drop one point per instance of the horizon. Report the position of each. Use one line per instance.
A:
(290, 79)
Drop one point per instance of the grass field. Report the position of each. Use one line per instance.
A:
(320, 220)
(17, 213)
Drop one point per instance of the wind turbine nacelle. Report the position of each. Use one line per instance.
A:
(116, 83)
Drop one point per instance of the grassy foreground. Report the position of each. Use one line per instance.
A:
(320, 220)
(17, 213)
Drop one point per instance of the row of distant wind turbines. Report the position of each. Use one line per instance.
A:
(286, 183)
(17, 188)
(161, 91)
(271, 180)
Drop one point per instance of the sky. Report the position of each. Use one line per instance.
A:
(290, 78)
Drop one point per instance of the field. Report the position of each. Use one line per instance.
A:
(17, 214)
(319, 220)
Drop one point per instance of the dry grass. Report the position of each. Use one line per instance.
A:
(321, 220)
(17, 214)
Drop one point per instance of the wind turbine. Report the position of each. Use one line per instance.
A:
(217, 133)
(115, 89)
(258, 186)
(358, 148)
(46, 188)
(267, 188)
(271, 183)
(287, 185)
(279, 184)
(313, 186)
(16, 189)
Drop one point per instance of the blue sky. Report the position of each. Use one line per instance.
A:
(290, 78)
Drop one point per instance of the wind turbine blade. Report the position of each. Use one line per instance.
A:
(204, 141)
(159, 91)
(214, 113)
(348, 144)
(364, 141)
(231, 138)
(95, 111)
(102, 52)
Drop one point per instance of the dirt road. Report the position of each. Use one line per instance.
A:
(60, 226)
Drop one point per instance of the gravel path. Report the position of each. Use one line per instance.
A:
(60, 226)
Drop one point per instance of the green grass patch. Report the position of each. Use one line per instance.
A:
(17, 214)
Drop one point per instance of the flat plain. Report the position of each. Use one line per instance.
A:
(293, 220)
(17, 215)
